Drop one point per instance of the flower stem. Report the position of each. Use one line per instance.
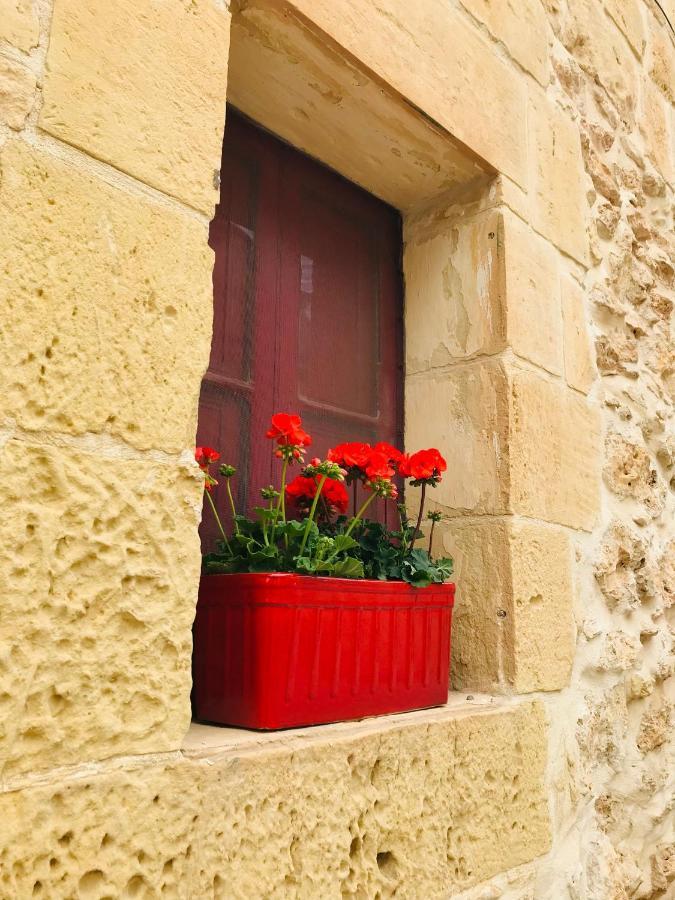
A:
(419, 517)
(355, 485)
(357, 518)
(431, 535)
(281, 505)
(310, 517)
(220, 524)
(234, 511)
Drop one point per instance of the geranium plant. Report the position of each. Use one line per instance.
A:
(304, 526)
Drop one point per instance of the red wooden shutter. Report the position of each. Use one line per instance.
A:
(307, 309)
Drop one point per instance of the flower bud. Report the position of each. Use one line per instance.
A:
(227, 471)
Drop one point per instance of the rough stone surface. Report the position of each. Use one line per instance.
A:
(532, 296)
(521, 26)
(97, 580)
(513, 626)
(17, 91)
(466, 408)
(555, 433)
(19, 23)
(421, 807)
(580, 372)
(157, 115)
(557, 177)
(123, 335)
(455, 301)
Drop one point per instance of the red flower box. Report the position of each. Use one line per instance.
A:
(283, 650)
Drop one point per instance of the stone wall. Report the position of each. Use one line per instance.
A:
(547, 367)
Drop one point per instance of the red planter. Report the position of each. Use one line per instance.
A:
(280, 650)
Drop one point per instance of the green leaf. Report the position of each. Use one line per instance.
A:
(343, 542)
(348, 568)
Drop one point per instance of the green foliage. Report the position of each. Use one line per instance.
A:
(371, 551)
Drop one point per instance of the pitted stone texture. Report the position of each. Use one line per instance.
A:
(157, 115)
(104, 331)
(513, 626)
(629, 473)
(17, 92)
(465, 408)
(455, 299)
(418, 810)
(619, 567)
(554, 452)
(98, 573)
(19, 23)
(558, 177)
(387, 37)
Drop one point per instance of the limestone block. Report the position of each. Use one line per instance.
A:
(655, 124)
(619, 652)
(523, 29)
(628, 16)
(17, 91)
(616, 353)
(558, 179)
(554, 453)
(455, 293)
(464, 409)
(451, 90)
(513, 621)
(662, 57)
(106, 330)
(151, 100)
(602, 51)
(99, 565)
(19, 23)
(421, 809)
(533, 296)
(579, 369)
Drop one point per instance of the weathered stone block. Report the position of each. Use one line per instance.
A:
(422, 808)
(103, 332)
(555, 448)
(521, 27)
(152, 101)
(492, 123)
(532, 296)
(557, 177)
(99, 565)
(19, 23)
(455, 293)
(655, 124)
(464, 409)
(17, 92)
(513, 624)
(628, 16)
(602, 51)
(662, 57)
(579, 369)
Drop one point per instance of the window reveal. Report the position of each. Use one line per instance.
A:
(307, 308)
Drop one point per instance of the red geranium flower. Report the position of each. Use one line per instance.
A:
(423, 465)
(205, 456)
(286, 431)
(353, 455)
(394, 455)
(378, 466)
(303, 490)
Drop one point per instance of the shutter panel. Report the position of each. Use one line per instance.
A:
(307, 309)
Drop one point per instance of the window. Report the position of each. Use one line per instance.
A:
(307, 308)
